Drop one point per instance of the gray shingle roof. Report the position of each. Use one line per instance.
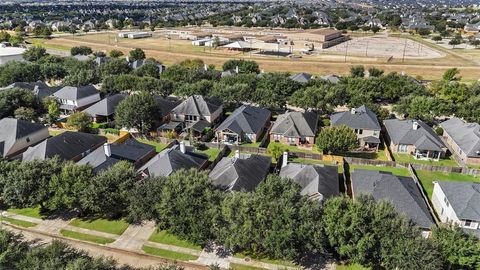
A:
(317, 181)
(13, 129)
(363, 118)
(246, 119)
(76, 93)
(424, 137)
(66, 146)
(401, 191)
(131, 150)
(296, 124)
(243, 173)
(171, 160)
(198, 106)
(465, 135)
(464, 197)
(98, 160)
(106, 106)
(301, 77)
(166, 105)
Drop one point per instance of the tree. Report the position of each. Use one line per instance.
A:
(81, 50)
(189, 206)
(115, 53)
(475, 42)
(375, 29)
(14, 98)
(115, 67)
(357, 71)
(454, 42)
(16, 40)
(34, 54)
(136, 54)
(451, 75)
(53, 71)
(137, 111)
(12, 249)
(424, 31)
(322, 97)
(52, 108)
(27, 114)
(437, 39)
(19, 72)
(202, 87)
(99, 54)
(142, 196)
(375, 72)
(4, 36)
(273, 89)
(337, 139)
(276, 150)
(80, 121)
(458, 249)
(244, 66)
(192, 63)
(148, 69)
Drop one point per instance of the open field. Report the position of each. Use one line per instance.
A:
(422, 58)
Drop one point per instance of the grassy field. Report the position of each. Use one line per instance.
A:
(350, 267)
(167, 254)
(266, 260)
(158, 146)
(393, 170)
(237, 266)
(102, 225)
(29, 212)
(86, 237)
(44, 43)
(163, 237)
(406, 158)
(427, 178)
(21, 223)
(212, 153)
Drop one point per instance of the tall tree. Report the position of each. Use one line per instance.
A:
(137, 111)
(337, 139)
(136, 54)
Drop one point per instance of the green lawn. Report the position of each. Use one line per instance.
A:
(212, 153)
(158, 145)
(291, 148)
(21, 223)
(41, 42)
(29, 212)
(98, 125)
(102, 225)
(351, 267)
(55, 132)
(266, 260)
(393, 170)
(314, 161)
(86, 237)
(380, 155)
(169, 254)
(237, 266)
(163, 237)
(406, 158)
(257, 144)
(427, 178)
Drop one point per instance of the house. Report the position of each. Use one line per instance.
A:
(245, 124)
(463, 139)
(332, 78)
(458, 203)
(196, 108)
(242, 172)
(132, 151)
(40, 89)
(402, 192)
(17, 135)
(104, 110)
(317, 182)
(166, 105)
(67, 146)
(301, 77)
(295, 128)
(414, 137)
(365, 124)
(171, 160)
(76, 98)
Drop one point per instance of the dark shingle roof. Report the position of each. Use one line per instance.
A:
(98, 160)
(197, 105)
(106, 106)
(246, 119)
(131, 150)
(13, 129)
(317, 181)
(464, 197)
(401, 191)
(424, 137)
(66, 146)
(240, 173)
(465, 135)
(296, 124)
(76, 93)
(363, 118)
(166, 105)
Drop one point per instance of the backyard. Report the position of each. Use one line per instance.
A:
(393, 170)
(158, 145)
(406, 158)
(427, 178)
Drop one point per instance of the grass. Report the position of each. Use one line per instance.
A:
(43, 42)
(407, 158)
(212, 153)
(393, 170)
(237, 266)
(163, 237)
(21, 223)
(350, 267)
(293, 148)
(380, 155)
(55, 132)
(98, 125)
(102, 225)
(427, 178)
(257, 144)
(266, 260)
(158, 145)
(86, 237)
(314, 161)
(168, 254)
(29, 212)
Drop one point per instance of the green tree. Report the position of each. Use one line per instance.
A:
(80, 121)
(137, 111)
(424, 31)
(12, 249)
(375, 72)
(4, 36)
(53, 71)
(15, 98)
(136, 54)
(19, 72)
(142, 196)
(454, 42)
(273, 89)
(148, 69)
(458, 249)
(81, 50)
(27, 114)
(357, 71)
(52, 108)
(192, 63)
(437, 39)
(244, 66)
(276, 150)
(115, 53)
(337, 139)
(115, 67)
(16, 40)
(451, 75)
(34, 54)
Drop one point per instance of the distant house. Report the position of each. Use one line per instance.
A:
(104, 110)
(242, 172)
(139, 63)
(67, 146)
(331, 78)
(76, 98)
(459, 203)
(245, 124)
(317, 182)
(463, 139)
(295, 128)
(365, 124)
(196, 108)
(171, 160)
(301, 77)
(40, 89)
(414, 137)
(17, 135)
(401, 191)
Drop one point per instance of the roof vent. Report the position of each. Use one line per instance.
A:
(415, 125)
(353, 110)
(478, 153)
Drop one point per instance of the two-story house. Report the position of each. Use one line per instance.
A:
(73, 99)
(197, 108)
(295, 128)
(463, 139)
(17, 135)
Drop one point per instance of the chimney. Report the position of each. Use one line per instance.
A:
(237, 153)
(107, 149)
(353, 110)
(182, 147)
(128, 59)
(205, 67)
(285, 159)
(415, 125)
(237, 70)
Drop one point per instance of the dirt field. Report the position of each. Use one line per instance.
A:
(422, 59)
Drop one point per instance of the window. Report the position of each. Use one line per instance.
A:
(291, 140)
(360, 131)
(376, 133)
(402, 148)
(446, 201)
(468, 223)
(441, 213)
(28, 139)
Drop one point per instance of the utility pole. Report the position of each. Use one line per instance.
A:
(366, 50)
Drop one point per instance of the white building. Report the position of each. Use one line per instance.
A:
(8, 54)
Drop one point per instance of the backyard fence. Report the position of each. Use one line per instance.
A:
(413, 173)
